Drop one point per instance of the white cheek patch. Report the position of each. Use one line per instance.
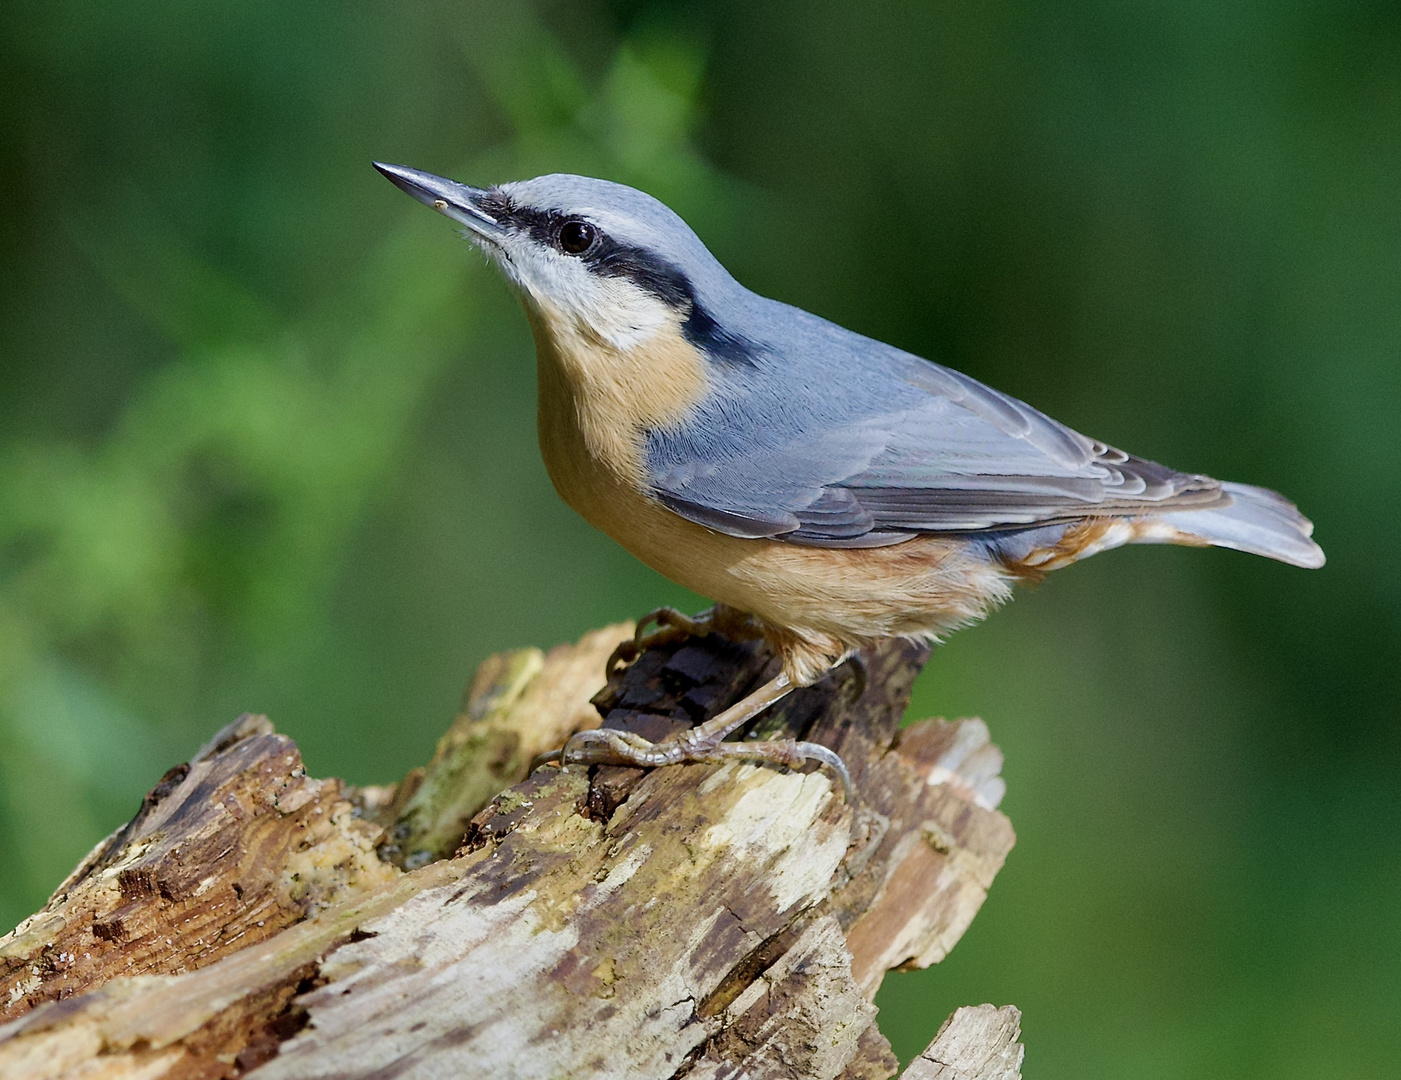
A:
(611, 308)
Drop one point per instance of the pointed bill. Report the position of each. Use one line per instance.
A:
(448, 197)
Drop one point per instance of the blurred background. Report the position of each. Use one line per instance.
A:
(267, 431)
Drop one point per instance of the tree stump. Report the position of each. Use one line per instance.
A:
(707, 921)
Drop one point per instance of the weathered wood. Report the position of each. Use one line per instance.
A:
(976, 1043)
(225, 852)
(519, 705)
(712, 921)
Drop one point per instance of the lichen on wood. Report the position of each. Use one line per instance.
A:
(703, 920)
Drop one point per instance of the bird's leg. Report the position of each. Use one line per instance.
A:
(705, 742)
(707, 736)
(667, 625)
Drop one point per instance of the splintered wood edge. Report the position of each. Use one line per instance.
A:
(951, 844)
(225, 852)
(135, 1022)
(978, 1042)
(138, 1024)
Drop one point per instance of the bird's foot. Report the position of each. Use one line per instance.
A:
(667, 626)
(664, 626)
(704, 742)
(607, 746)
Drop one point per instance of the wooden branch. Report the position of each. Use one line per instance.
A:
(705, 921)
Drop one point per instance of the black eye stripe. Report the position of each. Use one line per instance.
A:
(539, 224)
(647, 270)
(644, 268)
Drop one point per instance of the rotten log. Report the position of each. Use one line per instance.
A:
(703, 920)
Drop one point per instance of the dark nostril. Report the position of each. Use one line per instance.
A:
(576, 237)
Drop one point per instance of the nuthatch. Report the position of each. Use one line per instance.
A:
(835, 488)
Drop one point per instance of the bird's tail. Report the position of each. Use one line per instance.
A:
(1257, 520)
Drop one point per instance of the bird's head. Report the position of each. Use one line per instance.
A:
(587, 256)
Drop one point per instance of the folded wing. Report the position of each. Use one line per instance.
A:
(903, 447)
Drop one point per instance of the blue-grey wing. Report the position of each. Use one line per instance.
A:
(873, 446)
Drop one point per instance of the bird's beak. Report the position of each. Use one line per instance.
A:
(448, 197)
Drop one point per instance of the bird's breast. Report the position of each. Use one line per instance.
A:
(598, 400)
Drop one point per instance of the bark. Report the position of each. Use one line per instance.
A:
(700, 921)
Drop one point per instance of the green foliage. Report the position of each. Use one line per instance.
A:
(266, 430)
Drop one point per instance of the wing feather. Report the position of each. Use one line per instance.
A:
(872, 445)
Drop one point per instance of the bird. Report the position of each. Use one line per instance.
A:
(826, 489)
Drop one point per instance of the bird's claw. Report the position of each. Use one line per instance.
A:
(664, 626)
(608, 746)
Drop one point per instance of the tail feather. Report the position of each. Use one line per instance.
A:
(1257, 520)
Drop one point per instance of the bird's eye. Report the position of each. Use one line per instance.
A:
(576, 237)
